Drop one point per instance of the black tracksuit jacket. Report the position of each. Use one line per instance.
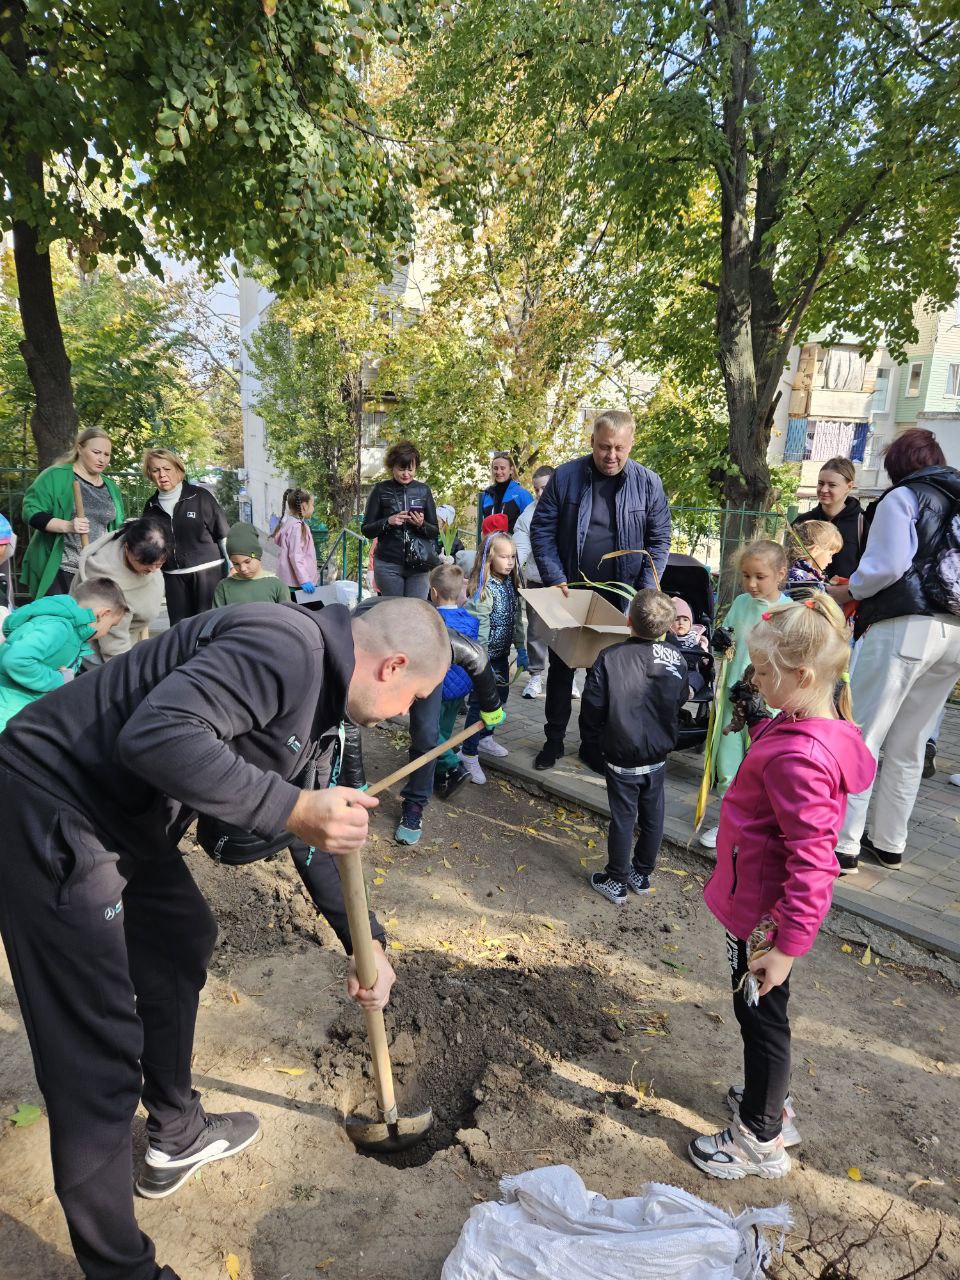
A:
(216, 714)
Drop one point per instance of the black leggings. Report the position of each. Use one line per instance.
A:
(765, 1029)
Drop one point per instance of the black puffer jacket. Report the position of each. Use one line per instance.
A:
(938, 494)
(385, 500)
(851, 527)
(630, 711)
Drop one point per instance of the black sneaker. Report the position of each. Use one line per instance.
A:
(445, 784)
(547, 756)
(638, 882)
(889, 860)
(223, 1136)
(929, 759)
(849, 863)
(614, 891)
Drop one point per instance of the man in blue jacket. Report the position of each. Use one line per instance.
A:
(593, 505)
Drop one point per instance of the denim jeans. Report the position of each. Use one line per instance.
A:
(395, 580)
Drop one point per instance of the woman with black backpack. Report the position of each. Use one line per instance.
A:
(908, 624)
(402, 515)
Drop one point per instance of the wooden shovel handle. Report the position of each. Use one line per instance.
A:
(78, 504)
(355, 900)
(432, 754)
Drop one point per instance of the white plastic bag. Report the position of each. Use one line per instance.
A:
(550, 1227)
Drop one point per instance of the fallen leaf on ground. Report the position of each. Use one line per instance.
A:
(378, 880)
(25, 1115)
(673, 871)
(867, 957)
(846, 949)
(322, 1266)
(291, 1071)
(389, 924)
(545, 924)
(232, 1266)
(522, 867)
(234, 997)
(380, 871)
(396, 946)
(591, 844)
(854, 1174)
(435, 897)
(448, 865)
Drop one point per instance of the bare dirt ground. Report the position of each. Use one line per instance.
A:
(544, 1026)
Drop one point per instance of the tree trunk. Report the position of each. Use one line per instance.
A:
(54, 421)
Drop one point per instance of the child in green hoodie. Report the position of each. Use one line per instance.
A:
(248, 582)
(46, 640)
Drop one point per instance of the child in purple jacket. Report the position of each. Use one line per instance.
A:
(776, 864)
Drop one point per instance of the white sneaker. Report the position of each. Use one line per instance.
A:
(491, 747)
(472, 766)
(708, 838)
(954, 779)
(533, 688)
(736, 1153)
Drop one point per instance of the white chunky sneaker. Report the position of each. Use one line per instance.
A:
(735, 1153)
(533, 688)
(491, 747)
(708, 838)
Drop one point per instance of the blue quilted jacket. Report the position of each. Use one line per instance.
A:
(456, 683)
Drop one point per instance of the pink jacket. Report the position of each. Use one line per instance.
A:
(779, 824)
(296, 556)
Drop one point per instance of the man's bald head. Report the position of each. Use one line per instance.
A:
(402, 653)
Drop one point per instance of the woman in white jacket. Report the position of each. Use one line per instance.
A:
(131, 557)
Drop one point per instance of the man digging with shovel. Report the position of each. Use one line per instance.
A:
(107, 935)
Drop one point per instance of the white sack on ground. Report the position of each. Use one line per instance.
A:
(550, 1227)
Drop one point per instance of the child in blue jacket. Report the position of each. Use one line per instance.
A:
(446, 588)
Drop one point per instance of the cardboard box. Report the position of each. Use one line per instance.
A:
(581, 624)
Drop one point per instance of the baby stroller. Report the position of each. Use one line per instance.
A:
(685, 576)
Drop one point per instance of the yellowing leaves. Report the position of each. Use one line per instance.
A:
(854, 1174)
(291, 1071)
(867, 957)
(231, 1264)
(378, 880)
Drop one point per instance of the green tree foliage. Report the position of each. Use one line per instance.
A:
(308, 358)
(134, 370)
(743, 172)
(501, 357)
(228, 128)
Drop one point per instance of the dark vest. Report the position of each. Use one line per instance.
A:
(938, 492)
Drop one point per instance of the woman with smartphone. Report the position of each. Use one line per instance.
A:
(402, 516)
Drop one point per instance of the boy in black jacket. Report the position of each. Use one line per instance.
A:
(629, 720)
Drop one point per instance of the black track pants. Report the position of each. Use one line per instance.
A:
(108, 959)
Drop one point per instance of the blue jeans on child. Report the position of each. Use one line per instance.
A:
(501, 669)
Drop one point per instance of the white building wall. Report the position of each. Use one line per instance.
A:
(264, 484)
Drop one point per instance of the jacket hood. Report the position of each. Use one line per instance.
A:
(62, 607)
(843, 740)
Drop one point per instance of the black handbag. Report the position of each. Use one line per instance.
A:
(417, 554)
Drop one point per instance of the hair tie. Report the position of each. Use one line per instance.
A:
(845, 677)
(810, 603)
(766, 616)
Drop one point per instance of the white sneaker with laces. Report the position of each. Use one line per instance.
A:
(735, 1153)
(708, 838)
(491, 747)
(533, 688)
(472, 766)
(789, 1133)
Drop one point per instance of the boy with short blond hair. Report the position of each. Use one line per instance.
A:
(446, 588)
(629, 722)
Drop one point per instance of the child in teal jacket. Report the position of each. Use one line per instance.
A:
(46, 640)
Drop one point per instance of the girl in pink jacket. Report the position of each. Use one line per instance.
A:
(776, 864)
(296, 555)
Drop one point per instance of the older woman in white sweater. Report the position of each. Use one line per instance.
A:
(131, 557)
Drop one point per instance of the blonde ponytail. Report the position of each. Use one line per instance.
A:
(811, 633)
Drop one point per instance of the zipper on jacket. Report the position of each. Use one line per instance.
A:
(733, 858)
(155, 501)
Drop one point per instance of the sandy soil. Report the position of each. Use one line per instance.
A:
(544, 1026)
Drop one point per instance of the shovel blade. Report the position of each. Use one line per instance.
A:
(379, 1137)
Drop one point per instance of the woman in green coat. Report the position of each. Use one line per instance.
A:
(49, 509)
